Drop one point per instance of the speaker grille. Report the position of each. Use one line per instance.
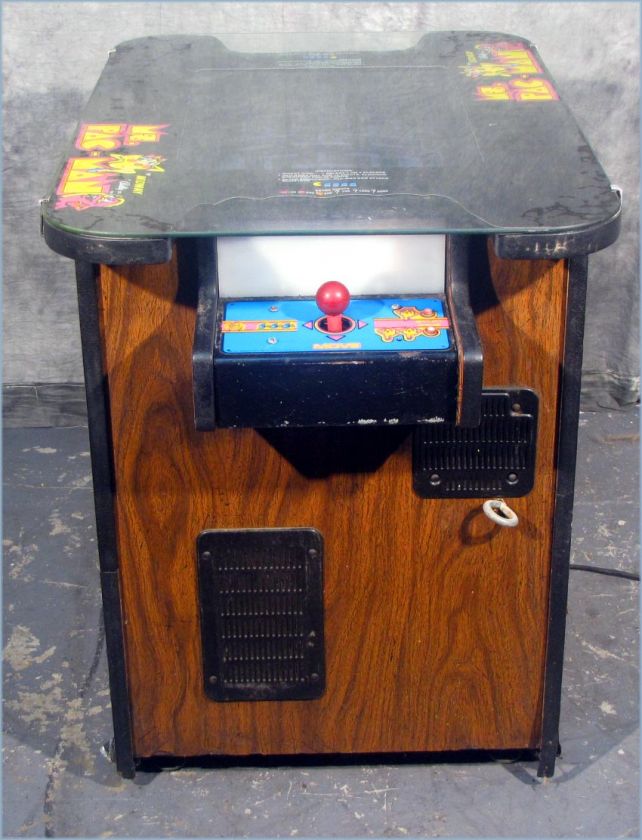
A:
(262, 613)
(496, 457)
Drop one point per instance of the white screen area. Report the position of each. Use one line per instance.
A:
(292, 266)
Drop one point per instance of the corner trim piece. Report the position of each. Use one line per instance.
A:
(556, 246)
(106, 250)
(568, 420)
(104, 484)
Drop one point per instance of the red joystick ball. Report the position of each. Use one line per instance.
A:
(333, 299)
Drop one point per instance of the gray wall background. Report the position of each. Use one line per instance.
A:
(53, 55)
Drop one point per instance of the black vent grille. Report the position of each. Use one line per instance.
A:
(261, 598)
(496, 457)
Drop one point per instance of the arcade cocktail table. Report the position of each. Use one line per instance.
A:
(331, 310)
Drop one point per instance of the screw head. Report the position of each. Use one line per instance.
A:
(213, 680)
(435, 479)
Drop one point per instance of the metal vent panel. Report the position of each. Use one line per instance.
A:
(496, 457)
(261, 600)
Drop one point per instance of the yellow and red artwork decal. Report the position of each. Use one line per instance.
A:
(107, 137)
(84, 184)
(506, 71)
(98, 181)
(409, 323)
(107, 173)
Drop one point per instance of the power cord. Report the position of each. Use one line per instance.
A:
(602, 570)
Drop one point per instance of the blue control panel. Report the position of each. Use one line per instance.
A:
(388, 324)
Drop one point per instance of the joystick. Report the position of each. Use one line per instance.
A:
(333, 299)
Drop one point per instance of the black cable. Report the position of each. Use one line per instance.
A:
(601, 570)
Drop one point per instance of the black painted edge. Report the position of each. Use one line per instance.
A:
(470, 357)
(100, 445)
(155, 764)
(107, 250)
(556, 246)
(143, 251)
(568, 421)
(198, 257)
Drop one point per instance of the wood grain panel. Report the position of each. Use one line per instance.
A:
(435, 618)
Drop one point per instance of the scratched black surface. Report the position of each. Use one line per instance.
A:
(237, 121)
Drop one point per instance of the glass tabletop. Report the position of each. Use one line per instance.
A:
(327, 133)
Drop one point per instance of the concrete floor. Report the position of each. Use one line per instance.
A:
(58, 782)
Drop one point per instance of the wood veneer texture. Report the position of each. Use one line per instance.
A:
(435, 619)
